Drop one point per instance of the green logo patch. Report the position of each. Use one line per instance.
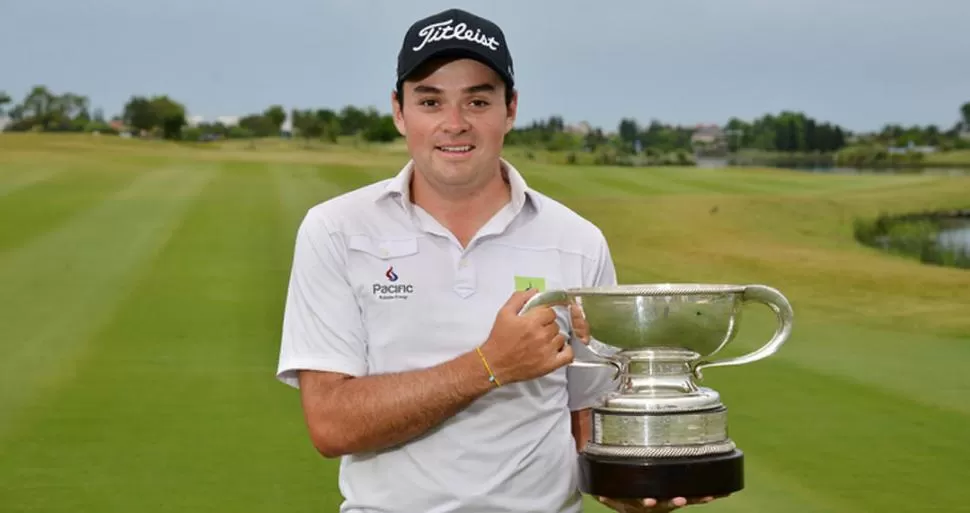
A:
(530, 282)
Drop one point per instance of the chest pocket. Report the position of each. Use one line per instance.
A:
(385, 274)
(384, 249)
(382, 265)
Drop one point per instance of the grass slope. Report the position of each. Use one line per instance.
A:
(142, 286)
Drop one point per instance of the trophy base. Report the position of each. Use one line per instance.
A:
(662, 478)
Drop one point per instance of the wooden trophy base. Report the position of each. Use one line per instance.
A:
(662, 478)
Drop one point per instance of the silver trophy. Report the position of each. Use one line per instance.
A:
(660, 434)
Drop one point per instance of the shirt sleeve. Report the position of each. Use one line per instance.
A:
(322, 326)
(586, 385)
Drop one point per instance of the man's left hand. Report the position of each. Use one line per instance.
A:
(651, 505)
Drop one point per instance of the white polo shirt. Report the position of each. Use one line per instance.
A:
(379, 286)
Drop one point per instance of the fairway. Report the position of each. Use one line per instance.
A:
(141, 295)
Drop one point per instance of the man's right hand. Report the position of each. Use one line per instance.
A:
(523, 347)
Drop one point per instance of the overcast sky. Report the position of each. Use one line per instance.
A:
(858, 63)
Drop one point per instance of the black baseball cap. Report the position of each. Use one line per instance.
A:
(455, 33)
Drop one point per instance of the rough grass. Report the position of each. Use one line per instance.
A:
(955, 157)
(141, 287)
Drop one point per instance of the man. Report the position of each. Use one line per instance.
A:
(402, 326)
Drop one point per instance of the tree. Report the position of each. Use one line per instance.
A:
(137, 113)
(170, 115)
(628, 129)
(4, 99)
(307, 124)
(276, 115)
(353, 120)
(38, 106)
(259, 125)
(965, 114)
(594, 139)
(383, 130)
(158, 112)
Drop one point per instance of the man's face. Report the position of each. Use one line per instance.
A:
(454, 119)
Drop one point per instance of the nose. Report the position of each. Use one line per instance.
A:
(454, 120)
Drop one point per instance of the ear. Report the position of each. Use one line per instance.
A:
(398, 115)
(512, 111)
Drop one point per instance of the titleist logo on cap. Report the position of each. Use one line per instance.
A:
(443, 30)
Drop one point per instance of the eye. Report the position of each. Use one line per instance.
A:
(428, 102)
(480, 103)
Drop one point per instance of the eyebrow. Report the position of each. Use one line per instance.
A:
(480, 88)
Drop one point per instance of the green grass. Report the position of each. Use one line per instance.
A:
(954, 157)
(142, 288)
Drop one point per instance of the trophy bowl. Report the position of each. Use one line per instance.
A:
(659, 434)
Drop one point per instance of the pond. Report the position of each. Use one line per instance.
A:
(827, 168)
(941, 238)
(956, 237)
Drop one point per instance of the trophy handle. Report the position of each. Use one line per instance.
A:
(549, 297)
(561, 298)
(783, 312)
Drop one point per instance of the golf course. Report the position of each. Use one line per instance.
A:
(142, 286)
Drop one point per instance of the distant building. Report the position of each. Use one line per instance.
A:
(709, 139)
(708, 134)
(118, 125)
(581, 128)
(228, 121)
(911, 148)
(286, 130)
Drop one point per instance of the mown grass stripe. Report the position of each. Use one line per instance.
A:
(344, 178)
(299, 188)
(182, 377)
(855, 354)
(13, 180)
(46, 204)
(843, 439)
(58, 289)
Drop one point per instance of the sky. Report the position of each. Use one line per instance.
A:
(858, 63)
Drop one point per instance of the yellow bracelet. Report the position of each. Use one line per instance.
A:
(491, 377)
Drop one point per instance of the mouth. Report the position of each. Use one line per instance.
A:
(456, 150)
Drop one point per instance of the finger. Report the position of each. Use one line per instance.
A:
(518, 299)
(576, 311)
(549, 331)
(709, 498)
(578, 320)
(580, 329)
(577, 316)
(678, 502)
(559, 342)
(564, 356)
(548, 316)
(581, 333)
(610, 502)
(619, 505)
(541, 315)
(649, 502)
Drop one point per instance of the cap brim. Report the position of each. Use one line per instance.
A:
(454, 53)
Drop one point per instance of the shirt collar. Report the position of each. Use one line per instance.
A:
(521, 194)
